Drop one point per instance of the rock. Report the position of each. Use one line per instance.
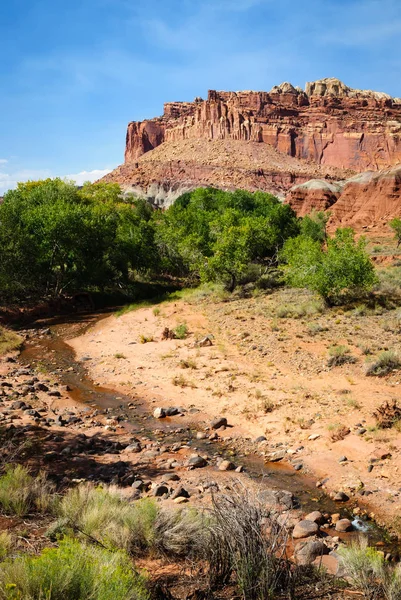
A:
(277, 456)
(315, 516)
(239, 469)
(314, 436)
(298, 466)
(159, 413)
(171, 477)
(18, 404)
(197, 462)
(260, 439)
(171, 411)
(201, 435)
(219, 422)
(340, 497)
(343, 525)
(304, 529)
(54, 393)
(180, 492)
(180, 500)
(135, 447)
(307, 551)
(335, 517)
(160, 490)
(226, 465)
(342, 459)
(330, 563)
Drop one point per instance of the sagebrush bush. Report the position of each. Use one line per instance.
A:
(181, 533)
(340, 355)
(387, 361)
(364, 567)
(369, 572)
(21, 493)
(73, 571)
(104, 515)
(181, 331)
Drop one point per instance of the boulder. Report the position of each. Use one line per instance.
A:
(315, 516)
(307, 551)
(159, 413)
(344, 525)
(305, 529)
(226, 465)
(197, 462)
(219, 422)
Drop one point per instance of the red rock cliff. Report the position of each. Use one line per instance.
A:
(328, 123)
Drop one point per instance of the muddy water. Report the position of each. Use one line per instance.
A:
(54, 356)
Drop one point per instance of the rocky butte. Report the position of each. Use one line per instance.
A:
(272, 141)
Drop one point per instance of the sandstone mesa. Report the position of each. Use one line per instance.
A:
(274, 141)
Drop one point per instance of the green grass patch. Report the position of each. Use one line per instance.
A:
(73, 571)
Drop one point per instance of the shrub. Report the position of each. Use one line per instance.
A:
(20, 493)
(387, 361)
(181, 331)
(388, 414)
(156, 311)
(73, 571)
(245, 541)
(340, 271)
(8, 340)
(340, 355)
(104, 515)
(181, 533)
(364, 567)
(395, 225)
(6, 544)
(145, 339)
(188, 363)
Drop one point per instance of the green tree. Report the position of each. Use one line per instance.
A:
(55, 237)
(341, 270)
(314, 225)
(395, 225)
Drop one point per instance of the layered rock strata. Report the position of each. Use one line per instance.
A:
(328, 123)
(365, 200)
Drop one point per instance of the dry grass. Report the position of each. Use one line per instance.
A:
(9, 341)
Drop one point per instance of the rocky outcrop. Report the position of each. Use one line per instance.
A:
(363, 201)
(175, 167)
(328, 123)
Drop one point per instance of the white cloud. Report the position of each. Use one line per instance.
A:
(3, 161)
(83, 176)
(8, 181)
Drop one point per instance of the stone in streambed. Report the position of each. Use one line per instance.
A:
(305, 529)
(344, 525)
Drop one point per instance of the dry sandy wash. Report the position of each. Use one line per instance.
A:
(267, 373)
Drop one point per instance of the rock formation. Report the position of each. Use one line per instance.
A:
(310, 142)
(328, 123)
(174, 167)
(365, 200)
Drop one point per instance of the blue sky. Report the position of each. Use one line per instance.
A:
(73, 73)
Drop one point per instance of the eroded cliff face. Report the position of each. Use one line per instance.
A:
(366, 200)
(328, 123)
